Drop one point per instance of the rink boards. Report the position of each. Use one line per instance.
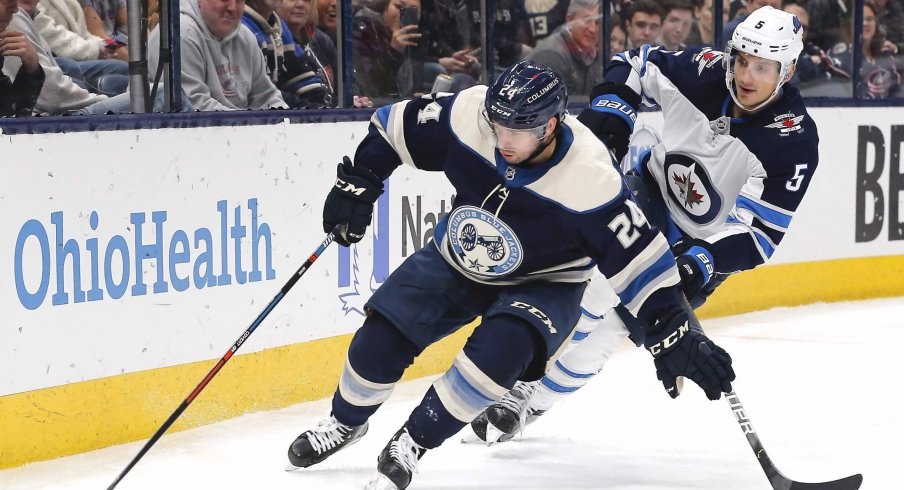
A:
(131, 260)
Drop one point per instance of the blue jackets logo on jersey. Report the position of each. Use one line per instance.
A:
(690, 187)
(483, 244)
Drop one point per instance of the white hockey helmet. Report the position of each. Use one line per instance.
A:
(770, 34)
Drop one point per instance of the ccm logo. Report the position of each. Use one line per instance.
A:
(349, 188)
(669, 341)
(537, 313)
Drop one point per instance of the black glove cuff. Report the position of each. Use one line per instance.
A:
(665, 336)
(357, 183)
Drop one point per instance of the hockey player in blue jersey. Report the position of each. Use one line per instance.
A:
(737, 154)
(538, 207)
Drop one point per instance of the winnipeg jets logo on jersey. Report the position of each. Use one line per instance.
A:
(706, 59)
(690, 187)
(787, 123)
(484, 245)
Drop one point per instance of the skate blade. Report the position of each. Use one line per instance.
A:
(494, 435)
(292, 467)
(472, 438)
(381, 482)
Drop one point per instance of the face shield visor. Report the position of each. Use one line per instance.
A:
(516, 140)
(755, 73)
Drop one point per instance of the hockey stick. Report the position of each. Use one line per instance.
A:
(232, 350)
(776, 478)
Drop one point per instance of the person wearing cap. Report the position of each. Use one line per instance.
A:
(737, 153)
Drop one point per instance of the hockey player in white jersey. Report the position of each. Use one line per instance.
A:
(737, 154)
(538, 207)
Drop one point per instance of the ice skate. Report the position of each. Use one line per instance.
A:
(506, 418)
(397, 463)
(321, 442)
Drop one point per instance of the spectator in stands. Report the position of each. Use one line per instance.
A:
(60, 94)
(752, 5)
(816, 74)
(448, 35)
(327, 19)
(68, 14)
(106, 18)
(880, 76)
(544, 17)
(301, 18)
(222, 67)
(19, 91)
(511, 38)
(815, 71)
(676, 26)
(702, 33)
(102, 76)
(830, 23)
(573, 50)
(891, 19)
(643, 20)
(618, 37)
(386, 66)
(288, 65)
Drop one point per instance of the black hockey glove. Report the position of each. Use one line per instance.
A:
(679, 351)
(695, 265)
(300, 77)
(350, 203)
(611, 116)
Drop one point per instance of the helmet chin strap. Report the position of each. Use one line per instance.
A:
(734, 97)
(542, 146)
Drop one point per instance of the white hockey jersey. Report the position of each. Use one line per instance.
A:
(732, 182)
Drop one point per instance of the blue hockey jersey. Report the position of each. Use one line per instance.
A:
(510, 224)
(732, 182)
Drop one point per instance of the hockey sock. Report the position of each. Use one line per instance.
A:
(582, 360)
(377, 357)
(495, 356)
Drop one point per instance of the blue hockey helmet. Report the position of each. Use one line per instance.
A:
(526, 96)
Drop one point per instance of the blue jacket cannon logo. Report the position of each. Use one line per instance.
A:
(484, 245)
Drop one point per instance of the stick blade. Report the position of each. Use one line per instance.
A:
(852, 482)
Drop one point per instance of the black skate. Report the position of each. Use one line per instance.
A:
(397, 463)
(321, 442)
(506, 418)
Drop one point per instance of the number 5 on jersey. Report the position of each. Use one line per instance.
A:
(626, 229)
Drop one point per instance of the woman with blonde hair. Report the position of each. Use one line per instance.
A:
(301, 16)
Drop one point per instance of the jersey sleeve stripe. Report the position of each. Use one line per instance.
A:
(643, 260)
(764, 244)
(662, 274)
(390, 123)
(767, 214)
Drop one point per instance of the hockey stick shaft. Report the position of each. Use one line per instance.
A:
(232, 350)
(776, 478)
